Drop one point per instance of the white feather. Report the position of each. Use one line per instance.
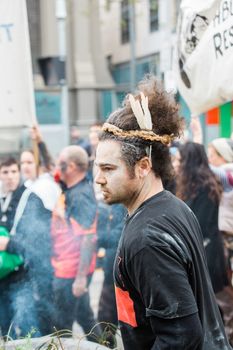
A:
(141, 111)
(147, 115)
(137, 111)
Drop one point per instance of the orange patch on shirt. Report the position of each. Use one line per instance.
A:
(125, 307)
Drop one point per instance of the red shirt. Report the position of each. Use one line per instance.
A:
(67, 236)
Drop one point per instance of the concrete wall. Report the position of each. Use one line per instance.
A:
(147, 43)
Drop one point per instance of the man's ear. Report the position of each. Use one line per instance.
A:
(72, 165)
(144, 167)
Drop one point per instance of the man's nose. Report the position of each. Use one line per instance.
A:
(99, 178)
(10, 176)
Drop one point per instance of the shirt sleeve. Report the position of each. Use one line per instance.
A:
(160, 276)
(84, 209)
(224, 176)
(179, 334)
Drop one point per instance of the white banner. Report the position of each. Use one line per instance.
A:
(205, 53)
(17, 106)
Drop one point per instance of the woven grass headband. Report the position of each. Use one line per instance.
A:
(143, 116)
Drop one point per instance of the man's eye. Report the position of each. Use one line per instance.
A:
(107, 169)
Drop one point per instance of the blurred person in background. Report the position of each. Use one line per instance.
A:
(11, 192)
(200, 189)
(28, 167)
(109, 229)
(170, 185)
(37, 160)
(220, 152)
(94, 133)
(76, 139)
(74, 243)
(30, 293)
(220, 156)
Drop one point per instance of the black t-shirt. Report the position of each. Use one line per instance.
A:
(161, 279)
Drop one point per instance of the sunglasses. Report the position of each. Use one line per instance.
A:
(63, 166)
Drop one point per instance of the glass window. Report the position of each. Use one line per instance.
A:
(175, 13)
(125, 21)
(154, 15)
(149, 64)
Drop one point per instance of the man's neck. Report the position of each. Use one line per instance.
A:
(150, 187)
(4, 193)
(75, 180)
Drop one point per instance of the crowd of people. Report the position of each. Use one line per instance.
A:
(58, 215)
(51, 215)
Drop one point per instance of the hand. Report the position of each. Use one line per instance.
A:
(196, 129)
(36, 134)
(3, 243)
(59, 212)
(79, 286)
(59, 209)
(195, 124)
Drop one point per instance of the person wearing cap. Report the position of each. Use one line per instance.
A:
(220, 151)
(220, 154)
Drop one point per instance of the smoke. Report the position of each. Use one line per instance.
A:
(25, 317)
(29, 291)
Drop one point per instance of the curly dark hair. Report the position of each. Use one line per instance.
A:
(195, 173)
(165, 119)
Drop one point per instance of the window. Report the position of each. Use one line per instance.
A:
(125, 21)
(145, 65)
(175, 14)
(154, 15)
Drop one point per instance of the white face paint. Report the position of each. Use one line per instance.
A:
(113, 176)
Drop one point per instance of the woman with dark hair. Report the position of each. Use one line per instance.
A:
(199, 188)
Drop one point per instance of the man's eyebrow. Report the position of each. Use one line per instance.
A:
(104, 164)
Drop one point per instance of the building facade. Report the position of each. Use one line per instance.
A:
(71, 78)
(149, 49)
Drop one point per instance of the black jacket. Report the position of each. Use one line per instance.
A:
(9, 214)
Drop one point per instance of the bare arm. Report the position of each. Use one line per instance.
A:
(196, 130)
(87, 250)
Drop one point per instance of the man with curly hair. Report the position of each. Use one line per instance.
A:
(163, 290)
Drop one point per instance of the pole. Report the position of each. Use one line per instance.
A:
(61, 20)
(132, 45)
